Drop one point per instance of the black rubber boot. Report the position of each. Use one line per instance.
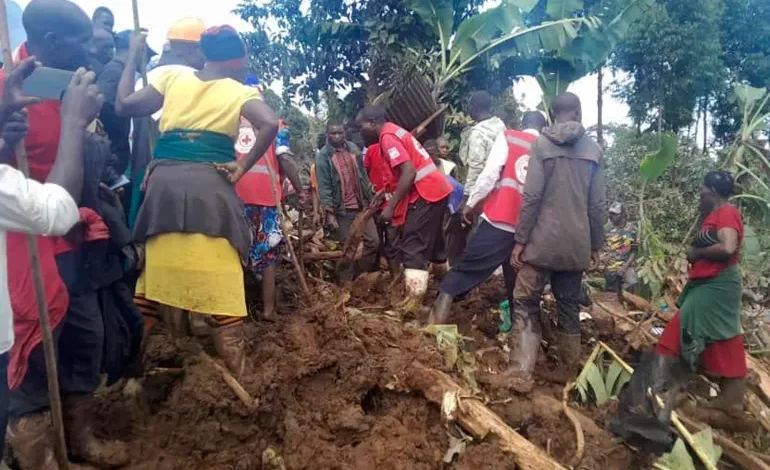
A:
(441, 309)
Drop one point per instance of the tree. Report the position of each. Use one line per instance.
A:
(673, 56)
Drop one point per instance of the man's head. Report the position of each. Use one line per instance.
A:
(533, 120)
(480, 104)
(184, 41)
(103, 19)
(566, 108)
(58, 33)
(431, 146)
(335, 134)
(443, 147)
(370, 121)
(102, 46)
(321, 140)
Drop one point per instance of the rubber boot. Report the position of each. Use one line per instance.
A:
(441, 309)
(32, 441)
(416, 287)
(524, 342)
(730, 399)
(230, 346)
(81, 442)
(439, 270)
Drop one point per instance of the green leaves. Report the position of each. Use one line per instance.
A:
(439, 14)
(602, 379)
(680, 459)
(654, 164)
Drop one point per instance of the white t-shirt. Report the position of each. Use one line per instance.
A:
(30, 207)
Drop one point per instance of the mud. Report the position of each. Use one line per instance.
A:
(325, 381)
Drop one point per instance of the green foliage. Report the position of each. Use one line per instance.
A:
(673, 55)
(303, 128)
(680, 459)
(654, 164)
(602, 378)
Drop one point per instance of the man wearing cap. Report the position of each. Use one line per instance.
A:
(344, 190)
(184, 53)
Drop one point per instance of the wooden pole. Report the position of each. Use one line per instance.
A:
(37, 276)
(295, 261)
(143, 73)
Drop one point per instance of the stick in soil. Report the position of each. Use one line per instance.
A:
(231, 382)
(40, 297)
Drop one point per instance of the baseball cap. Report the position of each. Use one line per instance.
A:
(187, 29)
(123, 39)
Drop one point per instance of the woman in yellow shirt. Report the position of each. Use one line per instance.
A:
(191, 218)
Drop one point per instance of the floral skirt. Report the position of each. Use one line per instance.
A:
(267, 240)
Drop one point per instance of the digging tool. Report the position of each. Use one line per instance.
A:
(143, 72)
(34, 259)
(353, 239)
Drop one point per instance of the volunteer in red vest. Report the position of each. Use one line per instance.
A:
(260, 208)
(425, 189)
(498, 190)
(384, 184)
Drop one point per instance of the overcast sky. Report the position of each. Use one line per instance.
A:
(157, 16)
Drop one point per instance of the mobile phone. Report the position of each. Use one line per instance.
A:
(120, 182)
(47, 83)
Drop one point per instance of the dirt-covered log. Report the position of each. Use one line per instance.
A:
(476, 418)
(322, 256)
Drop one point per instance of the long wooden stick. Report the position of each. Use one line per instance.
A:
(37, 276)
(295, 261)
(143, 73)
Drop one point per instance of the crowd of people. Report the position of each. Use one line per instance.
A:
(150, 201)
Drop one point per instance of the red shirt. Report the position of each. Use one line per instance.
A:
(345, 163)
(396, 154)
(727, 216)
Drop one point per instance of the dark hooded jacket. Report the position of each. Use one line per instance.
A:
(562, 217)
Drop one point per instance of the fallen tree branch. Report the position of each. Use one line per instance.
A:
(736, 453)
(476, 418)
(543, 404)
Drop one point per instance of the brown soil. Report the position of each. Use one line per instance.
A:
(325, 384)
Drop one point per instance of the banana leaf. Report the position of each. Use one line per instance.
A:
(654, 164)
(439, 14)
(558, 9)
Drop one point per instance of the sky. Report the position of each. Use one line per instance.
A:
(157, 16)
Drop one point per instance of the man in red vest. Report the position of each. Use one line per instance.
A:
(498, 190)
(425, 189)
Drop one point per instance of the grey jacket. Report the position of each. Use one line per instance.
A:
(563, 213)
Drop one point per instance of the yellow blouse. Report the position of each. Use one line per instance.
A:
(192, 104)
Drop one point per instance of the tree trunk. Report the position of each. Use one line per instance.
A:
(476, 418)
(599, 106)
(705, 124)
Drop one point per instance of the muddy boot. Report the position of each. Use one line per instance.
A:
(730, 399)
(524, 342)
(230, 345)
(569, 358)
(416, 286)
(439, 270)
(441, 309)
(81, 442)
(32, 440)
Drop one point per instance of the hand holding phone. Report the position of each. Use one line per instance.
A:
(82, 99)
(14, 99)
(47, 83)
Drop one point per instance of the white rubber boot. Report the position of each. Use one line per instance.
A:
(416, 287)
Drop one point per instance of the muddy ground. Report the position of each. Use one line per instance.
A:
(324, 381)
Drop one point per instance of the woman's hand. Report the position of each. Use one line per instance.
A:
(82, 100)
(233, 171)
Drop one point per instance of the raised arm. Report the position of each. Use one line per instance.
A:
(131, 103)
(265, 123)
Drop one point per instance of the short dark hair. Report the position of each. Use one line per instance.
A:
(481, 100)
(565, 103)
(721, 182)
(321, 140)
(373, 113)
(102, 10)
(334, 123)
(533, 120)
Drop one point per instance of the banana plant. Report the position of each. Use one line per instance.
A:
(501, 31)
(590, 49)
